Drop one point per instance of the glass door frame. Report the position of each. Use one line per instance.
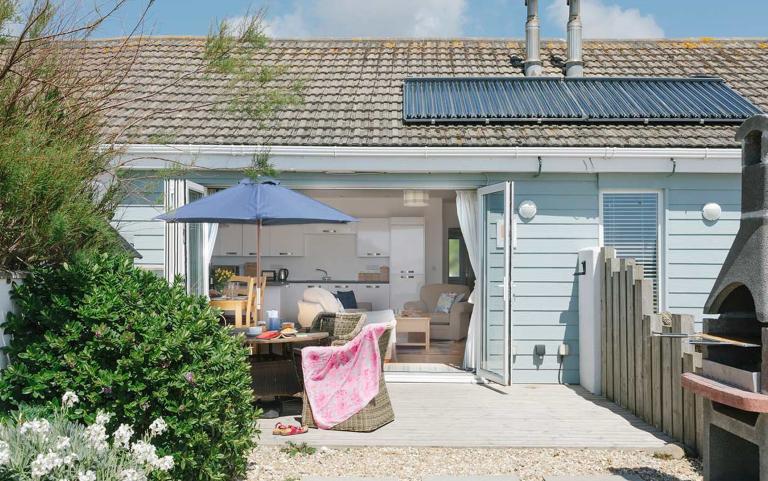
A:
(199, 189)
(506, 187)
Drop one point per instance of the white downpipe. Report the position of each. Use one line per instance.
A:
(6, 306)
(589, 320)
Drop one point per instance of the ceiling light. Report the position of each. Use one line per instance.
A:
(415, 198)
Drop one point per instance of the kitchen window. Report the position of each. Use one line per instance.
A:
(459, 268)
(631, 225)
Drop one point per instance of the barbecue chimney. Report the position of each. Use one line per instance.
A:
(532, 42)
(734, 377)
(747, 261)
(574, 66)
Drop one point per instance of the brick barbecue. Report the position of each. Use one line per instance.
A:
(734, 378)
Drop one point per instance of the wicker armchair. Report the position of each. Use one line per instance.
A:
(376, 414)
(342, 327)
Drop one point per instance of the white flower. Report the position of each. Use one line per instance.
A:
(45, 463)
(132, 475)
(164, 464)
(62, 443)
(5, 453)
(97, 436)
(70, 459)
(103, 417)
(86, 476)
(144, 453)
(36, 426)
(122, 436)
(158, 427)
(69, 399)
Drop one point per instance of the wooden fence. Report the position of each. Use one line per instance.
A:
(644, 354)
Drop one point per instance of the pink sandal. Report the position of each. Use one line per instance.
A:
(288, 430)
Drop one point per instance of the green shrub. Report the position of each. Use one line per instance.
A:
(128, 343)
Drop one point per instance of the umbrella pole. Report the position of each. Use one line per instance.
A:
(258, 272)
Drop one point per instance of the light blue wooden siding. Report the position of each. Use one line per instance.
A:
(697, 248)
(545, 290)
(694, 249)
(133, 219)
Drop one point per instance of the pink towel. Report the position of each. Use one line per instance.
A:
(339, 381)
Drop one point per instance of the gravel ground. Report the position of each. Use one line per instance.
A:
(269, 463)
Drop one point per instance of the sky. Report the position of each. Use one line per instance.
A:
(452, 18)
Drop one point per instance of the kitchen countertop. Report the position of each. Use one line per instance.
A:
(334, 281)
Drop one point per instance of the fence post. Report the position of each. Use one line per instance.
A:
(616, 329)
(605, 308)
(657, 383)
(629, 276)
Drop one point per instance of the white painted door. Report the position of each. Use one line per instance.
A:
(496, 236)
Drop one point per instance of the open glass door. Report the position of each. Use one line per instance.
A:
(185, 243)
(195, 246)
(496, 235)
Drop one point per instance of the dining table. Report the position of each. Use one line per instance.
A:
(236, 304)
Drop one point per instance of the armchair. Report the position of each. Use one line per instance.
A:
(451, 326)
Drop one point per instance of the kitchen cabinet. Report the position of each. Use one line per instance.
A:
(290, 295)
(229, 240)
(350, 228)
(407, 260)
(284, 241)
(376, 294)
(250, 236)
(407, 255)
(404, 288)
(373, 238)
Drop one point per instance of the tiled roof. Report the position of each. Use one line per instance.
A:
(353, 92)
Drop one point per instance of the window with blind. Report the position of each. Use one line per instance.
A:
(631, 226)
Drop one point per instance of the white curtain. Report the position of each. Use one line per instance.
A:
(210, 241)
(466, 209)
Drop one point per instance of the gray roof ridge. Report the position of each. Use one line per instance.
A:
(702, 39)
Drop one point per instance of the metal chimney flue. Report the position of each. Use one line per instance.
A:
(532, 41)
(574, 65)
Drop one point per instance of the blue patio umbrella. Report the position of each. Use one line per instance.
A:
(263, 202)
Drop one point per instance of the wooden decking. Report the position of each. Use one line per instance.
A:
(471, 415)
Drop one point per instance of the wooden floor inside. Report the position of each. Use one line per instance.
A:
(472, 415)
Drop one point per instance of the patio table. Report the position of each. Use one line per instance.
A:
(274, 376)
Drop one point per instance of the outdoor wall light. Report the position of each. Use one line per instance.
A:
(711, 211)
(527, 209)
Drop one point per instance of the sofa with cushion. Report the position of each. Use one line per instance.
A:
(316, 300)
(452, 325)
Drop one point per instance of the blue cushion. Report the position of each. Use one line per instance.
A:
(347, 299)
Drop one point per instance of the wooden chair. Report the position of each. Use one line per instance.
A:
(246, 286)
